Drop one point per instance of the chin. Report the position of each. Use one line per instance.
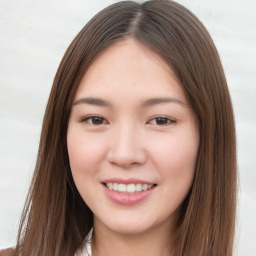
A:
(129, 229)
(133, 225)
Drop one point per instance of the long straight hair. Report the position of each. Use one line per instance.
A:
(55, 219)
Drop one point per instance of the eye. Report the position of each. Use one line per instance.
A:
(161, 121)
(95, 120)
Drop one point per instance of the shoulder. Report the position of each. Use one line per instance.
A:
(7, 252)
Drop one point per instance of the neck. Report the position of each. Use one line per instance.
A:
(155, 242)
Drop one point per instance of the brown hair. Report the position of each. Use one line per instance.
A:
(55, 219)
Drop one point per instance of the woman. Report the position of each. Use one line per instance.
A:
(137, 151)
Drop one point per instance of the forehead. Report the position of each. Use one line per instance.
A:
(128, 68)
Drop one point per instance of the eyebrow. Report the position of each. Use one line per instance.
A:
(92, 101)
(147, 103)
(156, 101)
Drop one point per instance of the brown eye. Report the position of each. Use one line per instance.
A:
(162, 121)
(95, 120)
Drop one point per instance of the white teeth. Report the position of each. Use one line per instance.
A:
(144, 187)
(115, 187)
(138, 187)
(122, 188)
(111, 186)
(130, 188)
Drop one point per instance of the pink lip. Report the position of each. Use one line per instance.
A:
(127, 198)
(126, 181)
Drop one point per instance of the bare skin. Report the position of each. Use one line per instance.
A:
(131, 123)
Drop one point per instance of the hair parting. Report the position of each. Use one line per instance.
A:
(55, 219)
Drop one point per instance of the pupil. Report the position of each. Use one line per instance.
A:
(161, 120)
(97, 120)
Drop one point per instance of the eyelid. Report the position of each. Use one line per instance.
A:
(85, 120)
(170, 121)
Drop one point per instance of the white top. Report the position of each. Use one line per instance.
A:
(86, 249)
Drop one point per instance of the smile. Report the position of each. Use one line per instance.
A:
(128, 191)
(128, 188)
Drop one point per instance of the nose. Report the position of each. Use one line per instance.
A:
(126, 147)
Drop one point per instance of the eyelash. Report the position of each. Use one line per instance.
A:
(86, 120)
(165, 120)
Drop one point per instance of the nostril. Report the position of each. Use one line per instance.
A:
(126, 158)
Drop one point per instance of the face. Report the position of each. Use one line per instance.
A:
(132, 140)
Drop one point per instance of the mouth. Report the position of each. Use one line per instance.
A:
(129, 188)
(128, 192)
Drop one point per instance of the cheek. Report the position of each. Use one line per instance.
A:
(175, 158)
(85, 157)
(85, 153)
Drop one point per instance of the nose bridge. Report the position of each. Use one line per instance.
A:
(127, 147)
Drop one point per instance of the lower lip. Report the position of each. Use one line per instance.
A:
(126, 198)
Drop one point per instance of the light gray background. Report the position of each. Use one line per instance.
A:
(33, 38)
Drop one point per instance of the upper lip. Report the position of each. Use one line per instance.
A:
(127, 181)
